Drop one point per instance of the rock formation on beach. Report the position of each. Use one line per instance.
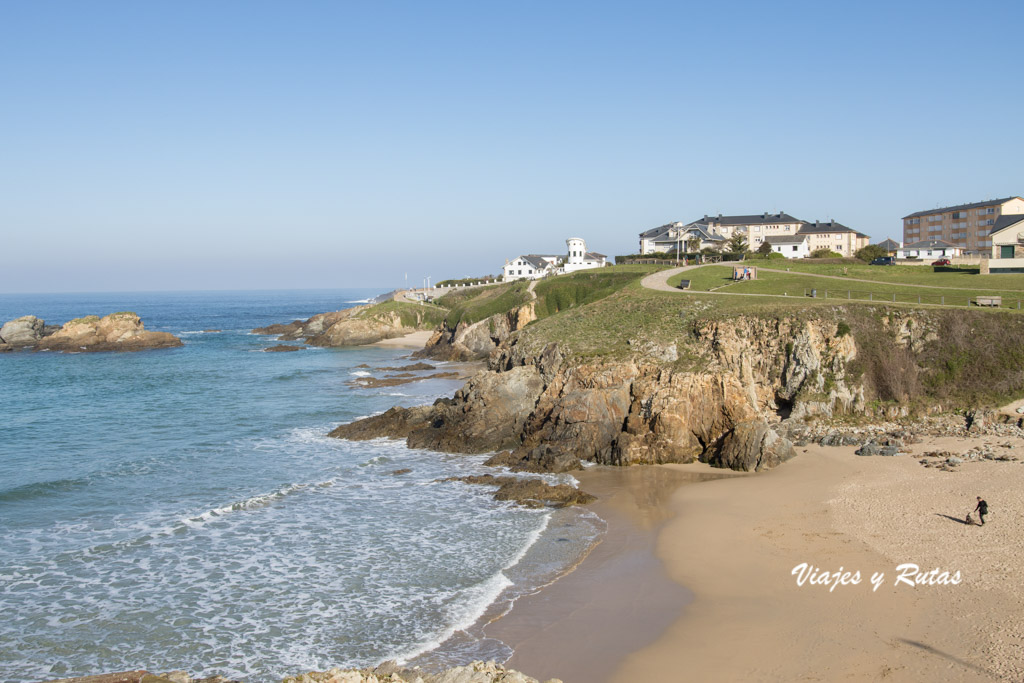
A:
(356, 326)
(388, 672)
(115, 332)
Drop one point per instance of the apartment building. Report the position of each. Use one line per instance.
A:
(755, 227)
(834, 237)
(967, 226)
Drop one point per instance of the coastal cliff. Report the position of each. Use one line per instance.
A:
(694, 384)
(115, 332)
(548, 412)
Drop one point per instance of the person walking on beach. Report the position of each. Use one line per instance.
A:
(982, 510)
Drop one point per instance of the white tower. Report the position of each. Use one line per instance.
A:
(577, 249)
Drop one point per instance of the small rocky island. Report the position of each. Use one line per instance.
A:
(122, 331)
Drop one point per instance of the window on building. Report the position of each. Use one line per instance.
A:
(958, 214)
(795, 247)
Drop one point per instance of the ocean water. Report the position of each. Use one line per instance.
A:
(183, 508)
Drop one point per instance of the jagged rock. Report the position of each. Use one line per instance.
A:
(836, 439)
(23, 331)
(530, 492)
(665, 353)
(752, 446)
(389, 672)
(478, 340)
(282, 348)
(115, 332)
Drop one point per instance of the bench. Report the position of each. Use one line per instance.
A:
(683, 284)
(988, 301)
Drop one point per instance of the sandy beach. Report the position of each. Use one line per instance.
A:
(721, 601)
(415, 340)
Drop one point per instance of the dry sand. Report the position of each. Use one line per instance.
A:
(734, 544)
(414, 340)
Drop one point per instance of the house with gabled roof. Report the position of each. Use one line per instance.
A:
(676, 237)
(790, 246)
(536, 266)
(1007, 237)
(928, 249)
(890, 246)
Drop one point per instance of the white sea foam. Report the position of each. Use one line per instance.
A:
(360, 373)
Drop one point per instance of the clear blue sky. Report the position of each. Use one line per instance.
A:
(239, 145)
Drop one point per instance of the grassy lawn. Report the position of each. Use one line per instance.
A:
(561, 293)
(942, 276)
(799, 284)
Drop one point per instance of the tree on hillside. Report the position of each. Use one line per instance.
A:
(764, 249)
(870, 253)
(738, 243)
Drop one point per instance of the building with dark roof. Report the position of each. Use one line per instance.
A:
(967, 226)
(889, 245)
(1007, 238)
(790, 246)
(713, 231)
(834, 236)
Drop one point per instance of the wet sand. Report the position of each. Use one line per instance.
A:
(619, 598)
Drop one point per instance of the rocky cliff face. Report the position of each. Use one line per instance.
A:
(476, 341)
(115, 332)
(350, 327)
(548, 413)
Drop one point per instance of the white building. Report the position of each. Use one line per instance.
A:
(535, 266)
(926, 249)
(531, 266)
(790, 246)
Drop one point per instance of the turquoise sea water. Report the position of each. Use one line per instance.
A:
(183, 508)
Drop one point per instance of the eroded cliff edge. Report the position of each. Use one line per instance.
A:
(722, 404)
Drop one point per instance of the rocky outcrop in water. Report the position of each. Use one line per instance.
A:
(350, 327)
(530, 492)
(115, 332)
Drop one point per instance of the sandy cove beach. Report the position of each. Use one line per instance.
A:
(413, 340)
(732, 544)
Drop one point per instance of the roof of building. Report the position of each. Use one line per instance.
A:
(702, 231)
(889, 244)
(594, 256)
(929, 244)
(647, 234)
(757, 219)
(824, 227)
(786, 239)
(1003, 222)
(959, 207)
(538, 260)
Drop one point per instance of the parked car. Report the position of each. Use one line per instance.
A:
(941, 262)
(884, 261)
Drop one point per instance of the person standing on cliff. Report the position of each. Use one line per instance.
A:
(982, 510)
